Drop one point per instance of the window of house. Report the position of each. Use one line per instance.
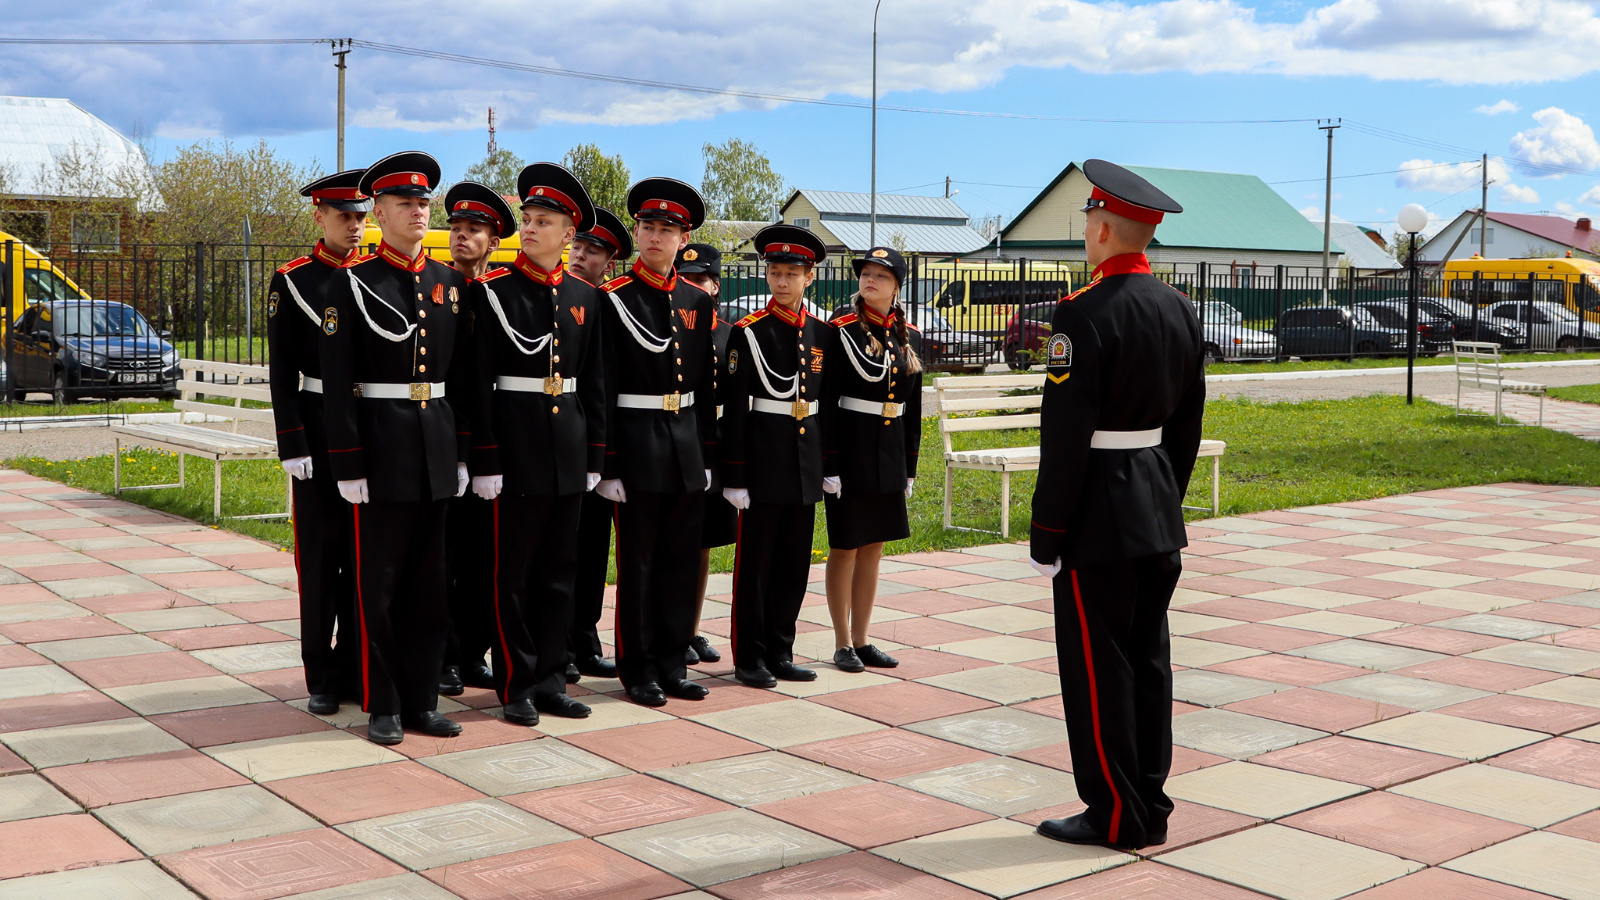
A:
(96, 232)
(29, 226)
(802, 221)
(1477, 235)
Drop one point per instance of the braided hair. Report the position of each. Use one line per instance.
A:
(899, 331)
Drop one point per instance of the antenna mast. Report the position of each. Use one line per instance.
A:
(493, 147)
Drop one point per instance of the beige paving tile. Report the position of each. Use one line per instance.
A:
(37, 681)
(1001, 570)
(1308, 597)
(1531, 560)
(177, 617)
(787, 723)
(67, 744)
(1259, 791)
(1401, 558)
(999, 592)
(522, 767)
(300, 754)
(1447, 735)
(758, 778)
(831, 680)
(190, 693)
(445, 835)
(1504, 794)
(1001, 730)
(1002, 684)
(249, 658)
(1551, 864)
(1224, 732)
(607, 712)
(818, 644)
(99, 647)
(1342, 624)
(1582, 581)
(1591, 733)
(1179, 622)
(410, 886)
(1572, 689)
(1001, 619)
(1290, 864)
(140, 880)
(998, 786)
(1290, 577)
(1264, 557)
(1566, 660)
(1004, 648)
(1366, 654)
(722, 846)
(105, 586)
(11, 613)
(1401, 690)
(1183, 596)
(28, 796)
(203, 818)
(1001, 858)
(818, 615)
(1466, 601)
(1428, 579)
(1196, 653)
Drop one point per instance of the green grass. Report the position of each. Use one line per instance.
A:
(84, 408)
(231, 349)
(1578, 393)
(1362, 362)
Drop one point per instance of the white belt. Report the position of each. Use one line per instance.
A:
(667, 402)
(800, 409)
(307, 383)
(873, 407)
(424, 390)
(1125, 440)
(555, 387)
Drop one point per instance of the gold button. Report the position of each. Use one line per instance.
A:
(424, 404)
(680, 377)
(424, 332)
(419, 296)
(424, 351)
(555, 359)
(554, 410)
(891, 395)
(675, 345)
(422, 368)
(679, 360)
(557, 341)
(422, 313)
(802, 429)
(418, 278)
(885, 421)
(895, 370)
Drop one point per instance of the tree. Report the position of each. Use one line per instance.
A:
(207, 189)
(1400, 246)
(739, 183)
(605, 177)
(498, 171)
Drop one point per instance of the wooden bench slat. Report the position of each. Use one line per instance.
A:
(989, 423)
(226, 412)
(986, 404)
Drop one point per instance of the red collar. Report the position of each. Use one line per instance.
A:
(323, 255)
(649, 276)
(399, 260)
(531, 269)
(876, 319)
(795, 317)
(1124, 264)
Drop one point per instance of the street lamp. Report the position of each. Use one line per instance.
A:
(872, 235)
(1413, 218)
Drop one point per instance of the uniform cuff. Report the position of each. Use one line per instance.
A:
(293, 444)
(348, 465)
(484, 461)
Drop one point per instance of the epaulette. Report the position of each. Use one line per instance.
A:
(575, 275)
(846, 319)
(358, 260)
(913, 327)
(754, 317)
(440, 262)
(492, 274)
(1079, 292)
(293, 264)
(616, 282)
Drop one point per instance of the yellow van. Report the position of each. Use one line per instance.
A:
(1575, 283)
(984, 299)
(436, 243)
(33, 278)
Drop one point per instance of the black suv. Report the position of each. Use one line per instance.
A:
(1434, 332)
(76, 348)
(1310, 332)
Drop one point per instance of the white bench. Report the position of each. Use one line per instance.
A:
(1478, 367)
(233, 380)
(992, 403)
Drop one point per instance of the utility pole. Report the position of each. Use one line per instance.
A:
(1327, 125)
(493, 147)
(341, 46)
(1483, 209)
(947, 187)
(872, 230)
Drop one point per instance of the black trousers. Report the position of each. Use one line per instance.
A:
(534, 540)
(400, 601)
(658, 569)
(770, 569)
(589, 581)
(469, 562)
(1116, 686)
(327, 587)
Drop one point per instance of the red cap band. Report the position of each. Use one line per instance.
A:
(550, 194)
(1103, 200)
(344, 195)
(605, 234)
(797, 249)
(475, 206)
(400, 179)
(665, 208)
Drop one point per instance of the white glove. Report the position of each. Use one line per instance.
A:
(354, 491)
(488, 486)
(708, 479)
(1049, 571)
(299, 467)
(611, 489)
(830, 485)
(461, 479)
(594, 479)
(738, 498)
(911, 484)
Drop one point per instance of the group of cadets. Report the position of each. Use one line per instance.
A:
(466, 442)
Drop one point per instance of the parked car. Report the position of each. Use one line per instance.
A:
(1551, 325)
(1434, 332)
(739, 307)
(96, 348)
(941, 346)
(1227, 338)
(1026, 333)
(1312, 332)
(1459, 312)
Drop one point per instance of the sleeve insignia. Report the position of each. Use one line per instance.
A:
(1058, 351)
(272, 304)
(330, 321)
(733, 361)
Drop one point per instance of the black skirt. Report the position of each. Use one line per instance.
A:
(860, 518)
(719, 525)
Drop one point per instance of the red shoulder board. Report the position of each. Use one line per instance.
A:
(753, 318)
(913, 328)
(492, 274)
(357, 260)
(617, 282)
(846, 319)
(1079, 292)
(293, 264)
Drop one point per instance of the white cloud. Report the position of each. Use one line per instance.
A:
(1513, 193)
(1447, 178)
(1591, 197)
(1565, 208)
(1495, 109)
(1562, 139)
(1314, 213)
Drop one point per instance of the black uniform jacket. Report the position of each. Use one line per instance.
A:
(656, 334)
(776, 456)
(294, 334)
(720, 333)
(537, 325)
(869, 452)
(1124, 354)
(406, 449)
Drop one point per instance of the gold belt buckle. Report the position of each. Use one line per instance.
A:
(672, 402)
(891, 410)
(802, 408)
(421, 390)
(552, 386)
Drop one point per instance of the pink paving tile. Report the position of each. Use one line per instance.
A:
(1288, 669)
(902, 702)
(617, 804)
(890, 754)
(143, 668)
(934, 579)
(1357, 762)
(236, 724)
(477, 730)
(285, 684)
(1403, 826)
(26, 713)
(1401, 611)
(853, 876)
(1214, 566)
(348, 795)
(1563, 759)
(1435, 884)
(1321, 710)
(1579, 639)
(938, 558)
(1185, 760)
(25, 593)
(138, 602)
(1051, 664)
(917, 663)
(1479, 673)
(1586, 827)
(1531, 713)
(269, 867)
(1228, 585)
(61, 629)
(10, 763)
(1369, 587)
(13, 655)
(1044, 706)
(1555, 613)
(1438, 640)
(922, 631)
(263, 560)
(1055, 756)
(567, 871)
(191, 580)
(662, 745)
(1353, 568)
(131, 778)
(1329, 550)
(1242, 609)
(218, 636)
(55, 843)
(931, 603)
(264, 610)
(1143, 881)
(1266, 637)
(1476, 568)
(70, 570)
(898, 814)
(1039, 634)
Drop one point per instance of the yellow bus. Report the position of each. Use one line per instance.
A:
(33, 278)
(436, 243)
(983, 297)
(1574, 283)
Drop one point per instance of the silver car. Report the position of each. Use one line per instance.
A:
(1227, 338)
(1552, 325)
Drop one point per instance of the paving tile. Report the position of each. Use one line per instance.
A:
(722, 846)
(1403, 691)
(369, 792)
(1559, 758)
(1447, 735)
(567, 871)
(1357, 762)
(168, 619)
(1195, 653)
(760, 778)
(918, 663)
(1001, 858)
(998, 786)
(300, 754)
(520, 768)
(278, 866)
(1531, 713)
(897, 814)
(67, 744)
(858, 876)
(1516, 629)
(1584, 691)
(1548, 863)
(140, 880)
(1406, 827)
(1290, 864)
(1438, 639)
(59, 842)
(247, 658)
(1504, 794)
(1289, 670)
(1002, 730)
(235, 724)
(1366, 654)
(1000, 648)
(29, 796)
(885, 755)
(445, 835)
(1431, 883)
(35, 681)
(131, 778)
(1001, 619)
(1317, 709)
(616, 804)
(1207, 688)
(1586, 826)
(10, 763)
(1143, 881)
(1264, 636)
(203, 818)
(143, 669)
(661, 745)
(1477, 673)
(1236, 735)
(787, 723)
(219, 636)
(190, 693)
(1259, 791)
(98, 647)
(1000, 684)
(1566, 660)
(902, 702)
(395, 887)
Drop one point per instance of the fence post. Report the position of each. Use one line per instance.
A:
(1350, 304)
(1203, 276)
(199, 300)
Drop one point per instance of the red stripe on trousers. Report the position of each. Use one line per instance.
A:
(738, 552)
(361, 611)
(1094, 713)
(616, 633)
(499, 623)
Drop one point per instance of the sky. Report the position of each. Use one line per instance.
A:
(1421, 89)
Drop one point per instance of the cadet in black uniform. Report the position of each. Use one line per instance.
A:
(589, 257)
(701, 266)
(538, 438)
(321, 527)
(396, 445)
(1123, 399)
(771, 449)
(661, 424)
(479, 220)
(872, 429)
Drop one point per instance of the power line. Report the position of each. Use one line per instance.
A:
(1384, 172)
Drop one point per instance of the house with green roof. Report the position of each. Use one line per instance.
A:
(1229, 221)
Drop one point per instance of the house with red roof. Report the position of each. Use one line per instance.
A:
(1512, 236)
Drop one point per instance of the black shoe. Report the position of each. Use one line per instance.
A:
(561, 705)
(684, 689)
(323, 704)
(385, 730)
(846, 660)
(597, 667)
(755, 677)
(704, 650)
(431, 723)
(573, 675)
(477, 676)
(690, 656)
(521, 712)
(786, 670)
(450, 682)
(872, 656)
(647, 694)
(1078, 830)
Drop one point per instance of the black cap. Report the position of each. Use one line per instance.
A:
(549, 186)
(888, 257)
(789, 244)
(341, 190)
(480, 203)
(700, 259)
(1118, 191)
(666, 200)
(410, 173)
(609, 233)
